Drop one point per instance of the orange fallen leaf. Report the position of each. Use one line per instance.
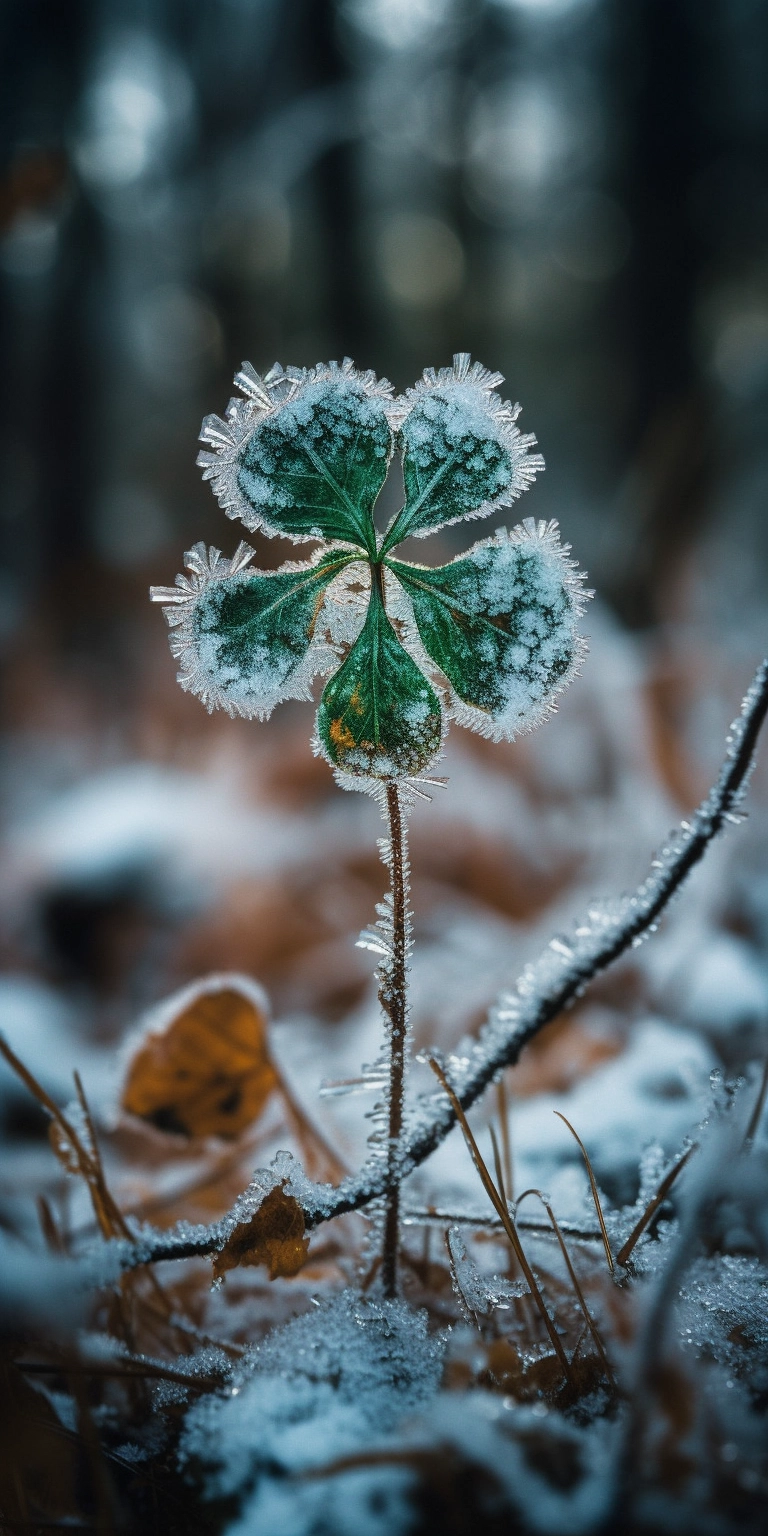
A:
(273, 1236)
(206, 1070)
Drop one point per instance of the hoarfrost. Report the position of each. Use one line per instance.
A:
(248, 662)
(501, 622)
(479, 1294)
(463, 455)
(316, 1389)
(241, 468)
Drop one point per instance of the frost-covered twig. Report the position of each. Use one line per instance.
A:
(545, 988)
(563, 971)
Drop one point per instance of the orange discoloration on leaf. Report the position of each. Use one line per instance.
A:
(340, 734)
(274, 1236)
(209, 1073)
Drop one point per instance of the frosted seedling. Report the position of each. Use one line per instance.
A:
(488, 640)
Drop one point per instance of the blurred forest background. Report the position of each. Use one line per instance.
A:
(576, 191)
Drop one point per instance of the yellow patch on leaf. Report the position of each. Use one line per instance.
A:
(273, 1236)
(340, 734)
(209, 1072)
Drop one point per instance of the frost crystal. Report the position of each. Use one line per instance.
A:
(489, 640)
(315, 1389)
(478, 1294)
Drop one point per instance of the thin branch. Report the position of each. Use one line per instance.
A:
(435, 1217)
(545, 988)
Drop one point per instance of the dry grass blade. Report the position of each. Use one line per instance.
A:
(85, 1161)
(574, 1279)
(66, 1143)
(595, 1191)
(502, 1187)
(320, 1158)
(113, 1218)
(501, 1096)
(506, 1220)
(154, 1370)
(757, 1113)
(38, 1092)
(49, 1226)
(653, 1206)
(112, 1221)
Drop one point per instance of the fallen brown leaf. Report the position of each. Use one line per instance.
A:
(273, 1236)
(209, 1071)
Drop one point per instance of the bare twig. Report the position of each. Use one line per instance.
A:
(543, 991)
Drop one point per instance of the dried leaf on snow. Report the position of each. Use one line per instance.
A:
(273, 1236)
(207, 1071)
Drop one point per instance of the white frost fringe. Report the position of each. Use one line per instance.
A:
(206, 566)
(502, 416)
(227, 436)
(502, 727)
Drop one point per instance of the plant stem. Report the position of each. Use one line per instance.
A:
(392, 995)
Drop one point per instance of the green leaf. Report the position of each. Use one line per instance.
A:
(313, 467)
(379, 715)
(252, 635)
(500, 622)
(462, 454)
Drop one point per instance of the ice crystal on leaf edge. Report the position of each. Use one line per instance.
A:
(489, 640)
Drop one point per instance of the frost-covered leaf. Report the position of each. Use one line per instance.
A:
(306, 456)
(500, 622)
(379, 715)
(248, 639)
(463, 456)
(273, 1236)
(204, 1068)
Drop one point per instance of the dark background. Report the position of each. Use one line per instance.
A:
(575, 191)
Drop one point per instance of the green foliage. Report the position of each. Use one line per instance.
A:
(255, 629)
(497, 622)
(315, 467)
(490, 638)
(379, 715)
(452, 464)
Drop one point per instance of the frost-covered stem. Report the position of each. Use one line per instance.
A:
(393, 998)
